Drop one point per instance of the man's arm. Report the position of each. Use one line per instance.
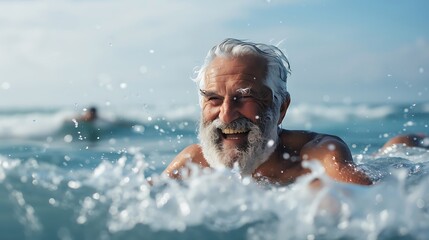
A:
(336, 158)
(191, 154)
(409, 140)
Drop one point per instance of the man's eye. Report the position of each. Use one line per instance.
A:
(214, 100)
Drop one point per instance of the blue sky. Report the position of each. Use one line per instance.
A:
(136, 52)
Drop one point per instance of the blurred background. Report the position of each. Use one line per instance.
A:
(132, 52)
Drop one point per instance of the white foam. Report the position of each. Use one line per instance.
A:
(32, 124)
(336, 113)
(117, 197)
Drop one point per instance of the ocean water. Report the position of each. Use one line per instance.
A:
(64, 179)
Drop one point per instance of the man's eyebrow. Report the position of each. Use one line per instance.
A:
(242, 91)
(245, 91)
(206, 93)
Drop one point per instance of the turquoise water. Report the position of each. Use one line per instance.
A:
(62, 179)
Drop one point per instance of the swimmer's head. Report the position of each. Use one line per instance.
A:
(278, 67)
(90, 114)
(93, 111)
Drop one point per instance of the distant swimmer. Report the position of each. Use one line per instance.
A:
(89, 115)
(243, 99)
(84, 127)
(408, 140)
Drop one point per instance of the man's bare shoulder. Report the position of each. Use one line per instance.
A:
(334, 155)
(325, 146)
(326, 141)
(191, 154)
(316, 146)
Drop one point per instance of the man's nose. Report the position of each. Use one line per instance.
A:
(229, 110)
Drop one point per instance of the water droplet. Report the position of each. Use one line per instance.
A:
(425, 141)
(81, 220)
(123, 85)
(68, 138)
(96, 196)
(76, 124)
(138, 128)
(286, 156)
(343, 225)
(384, 215)
(246, 180)
(409, 124)
(310, 237)
(74, 184)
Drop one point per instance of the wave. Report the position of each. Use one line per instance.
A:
(39, 124)
(340, 113)
(43, 123)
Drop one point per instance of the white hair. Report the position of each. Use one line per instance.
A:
(278, 67)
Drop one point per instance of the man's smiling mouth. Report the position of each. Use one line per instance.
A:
(232, 133)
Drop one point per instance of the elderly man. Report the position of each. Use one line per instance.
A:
(244, 99)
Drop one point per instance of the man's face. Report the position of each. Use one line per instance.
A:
(238, 119)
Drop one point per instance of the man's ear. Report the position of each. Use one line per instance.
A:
(283, 109)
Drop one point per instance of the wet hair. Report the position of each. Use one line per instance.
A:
(278, 67)
(92, 110)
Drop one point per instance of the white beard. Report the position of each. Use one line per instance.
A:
(261, 143)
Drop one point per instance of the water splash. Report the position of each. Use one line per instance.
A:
(115, 200)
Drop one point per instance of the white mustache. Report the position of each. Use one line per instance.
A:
(241, 124)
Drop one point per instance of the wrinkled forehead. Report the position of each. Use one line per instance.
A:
(246, 67)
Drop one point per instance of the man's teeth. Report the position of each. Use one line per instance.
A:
(233, 131)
